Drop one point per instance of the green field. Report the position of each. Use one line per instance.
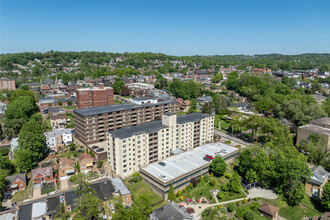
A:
(224, 125)
(70, 107)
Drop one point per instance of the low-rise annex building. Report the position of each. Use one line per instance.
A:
(135, 146)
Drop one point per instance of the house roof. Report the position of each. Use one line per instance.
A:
(84, 155)
(45, 88)
(319, 175)
(120, 186)
(171, 211)
(65, 161)
(48, 81)
(45, 171)
(12, 178)
(325, 216)
(55, 117)
(268, 209)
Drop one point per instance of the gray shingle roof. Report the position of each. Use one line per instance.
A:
(319, 175)
(120, 186)
(11, 179)
(171, 211)
(116, 107)
(48, 81)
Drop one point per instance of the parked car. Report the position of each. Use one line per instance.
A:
(94, 147)
(80, 151)
(163, 177)
(162, 163)
(100, 149)
(209, 156)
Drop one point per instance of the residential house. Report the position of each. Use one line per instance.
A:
(15, 182)
(58, 138)
(170, 211)
(66, 168)
(122, 190)
(325, 216)
(57, 121)
(319, 178)
(268, 210)
(86, 162)
(45, 102)
(41, 175)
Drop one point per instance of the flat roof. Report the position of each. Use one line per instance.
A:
(197, 116)
(117, 107)
(324, 120)
(186, 162)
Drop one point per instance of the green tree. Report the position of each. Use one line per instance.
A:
(217, 78)
(32, 146)
(69, 102)
(218, 166)
(251, 176)
(118, 85)
(171, 194)
(234, 184)
(325, 197)
(62, 214)
(90, 206)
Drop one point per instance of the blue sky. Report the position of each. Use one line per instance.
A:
(175, 27)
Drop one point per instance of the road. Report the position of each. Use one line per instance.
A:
(233, 138)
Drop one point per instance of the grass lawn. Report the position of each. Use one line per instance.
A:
(47, 188)
(182, 113)
(305, 208)
(19, 196)
(141, 188)
(117, 101)
(70, 107)
(224, 125)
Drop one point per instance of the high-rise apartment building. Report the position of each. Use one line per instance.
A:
(7, 84)
(92, 124)
(94, 97)
(135, 146)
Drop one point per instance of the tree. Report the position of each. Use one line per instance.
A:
(89, 206)
(69, 102)
(234, 184)
(32, 146)
(251, 176)
(62, 214)
(6, 164)
(171, 194)
(325, 197)
(217, 78)
(218, 166)
(125, 91)
(24, 87)
(316, 86)
(193, 106)
(248, 215)
(118, 85)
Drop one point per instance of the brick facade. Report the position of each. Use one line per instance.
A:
(101, 96)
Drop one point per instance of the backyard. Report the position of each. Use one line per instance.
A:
(47, 187)
(140, 188)
(224, 125)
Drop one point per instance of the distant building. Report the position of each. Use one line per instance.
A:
(318, 180)
(7, 84)
(320, 126)
(57, 121)
(170, 211)
(268, 210)
(86, 162)
(95, 97)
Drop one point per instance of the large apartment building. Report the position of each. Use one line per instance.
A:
(92, 124)
(135, 146)
(7, 84)
(98, 96)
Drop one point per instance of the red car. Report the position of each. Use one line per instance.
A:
(209, 156)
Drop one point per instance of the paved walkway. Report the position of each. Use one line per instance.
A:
(232, 138)
(262, 193)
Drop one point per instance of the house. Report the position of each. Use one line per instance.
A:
(170, 211)
(319, 178)
(15, 182)
(45, 102)
(57, 121)
(268, 210)
(41, 175)
(58, 138)
(325, 216)
(66, 168)
(122, 190)
(204, 99)
(86, 162)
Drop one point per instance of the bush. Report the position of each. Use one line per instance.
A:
(248, 215)
(224, 188)
(244, 201)
(194, 181)
(136, 174)
(238, 146)
(219, 206)
(184, 190)
(212, 183)
(254, 206)
(227, 142)
(134, 179)
(190, 186)
(72, 178)
(238, 203)
(99, 163)
(228, 175)
(220, 195)
(231, 207)
(239, 213)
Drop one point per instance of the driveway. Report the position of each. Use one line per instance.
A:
(262, 193)
(65, 184)
(36, 192)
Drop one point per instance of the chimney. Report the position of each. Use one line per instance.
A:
(101, 86)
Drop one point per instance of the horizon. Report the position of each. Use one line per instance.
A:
(184, 28)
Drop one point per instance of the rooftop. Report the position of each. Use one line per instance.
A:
(116, 107)
(120, 186)
(171, 211)
(316, 129)
(319, 175)
(188, 161)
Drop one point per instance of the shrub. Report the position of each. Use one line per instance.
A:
(231, 207)
(238, 203)
(184, 190)
(254, 206)
(178, 193)
(134, 179)
(239, 213)
(212, 183)
(256, 199)
(228, 175)
(73, 178)
(211, 174)
(136, 174)
(248, 215)
(238, 146)
(227, 142)
(219, 206)
(99, 163)
(244, 201)
(220, 195)
(224, 188)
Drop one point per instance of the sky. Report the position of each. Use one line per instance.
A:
(174, 27)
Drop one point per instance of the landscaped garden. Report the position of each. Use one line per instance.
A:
(47, 188)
